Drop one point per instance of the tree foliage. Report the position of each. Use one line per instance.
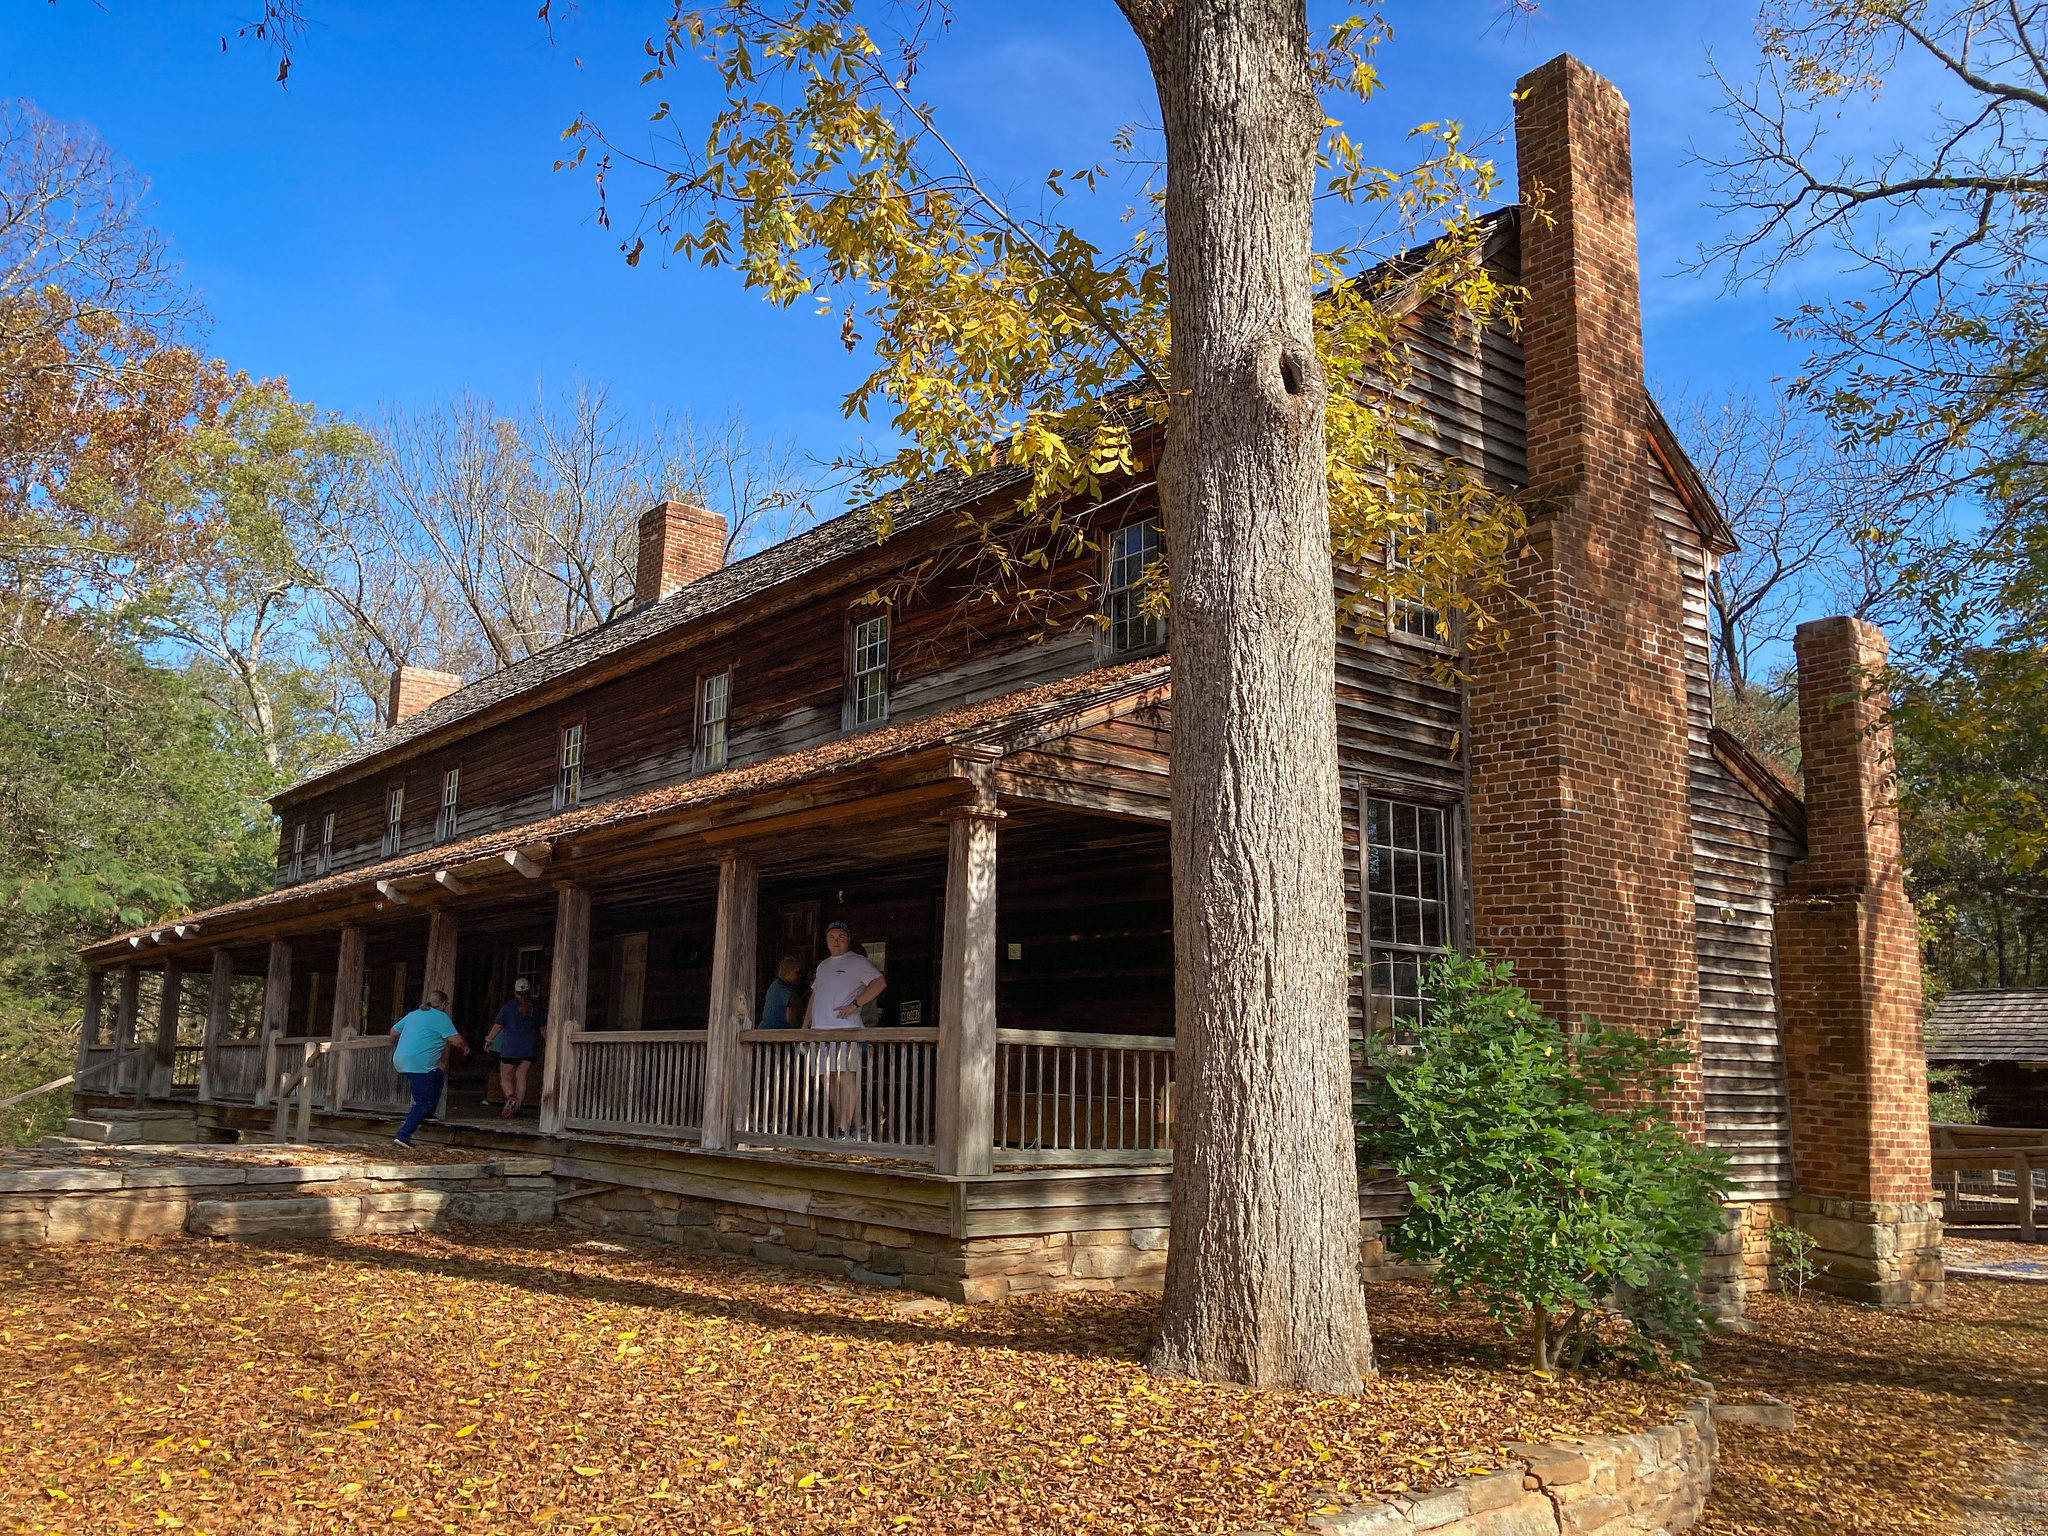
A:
(1037, 340)
(1543, 1179)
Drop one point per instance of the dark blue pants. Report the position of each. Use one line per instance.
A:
(426, 1098)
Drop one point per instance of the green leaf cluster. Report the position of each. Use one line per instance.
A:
(1544, 1180)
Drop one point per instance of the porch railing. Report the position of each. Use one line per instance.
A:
(370, 1081)
(647, 1082)
(237, 1070)
(185, 1064)
(839, 1090)
(1074, 1098)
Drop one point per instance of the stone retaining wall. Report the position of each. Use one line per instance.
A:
(1648, 1484)
(127, 1204)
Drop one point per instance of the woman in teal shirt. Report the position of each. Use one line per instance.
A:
(416, 1045)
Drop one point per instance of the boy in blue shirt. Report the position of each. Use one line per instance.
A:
(416, 1042)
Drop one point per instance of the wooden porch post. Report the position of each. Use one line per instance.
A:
(127, 1001)
(155, 1080)
(348, 1014)
(568, 988)
(967, 997)
(277, 1012)
(89, 1025)
(220, 1001)
(438, 974)
(727, 1082)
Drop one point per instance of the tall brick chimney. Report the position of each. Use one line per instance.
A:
(1581, 835)
(1849, 991)
(678, 544)
(414, 688)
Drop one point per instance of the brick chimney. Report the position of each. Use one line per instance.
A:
(678, 544)
(1581, 835)
(1849, 991)
(414, 688)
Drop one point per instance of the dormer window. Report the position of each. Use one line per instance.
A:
(325, 863)
(714, 704)
(446, 822)
(394, 819)
(569, 769)
(296, 870)
(1133, 550)
(870, 671)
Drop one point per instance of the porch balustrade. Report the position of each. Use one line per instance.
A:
(1078, 1098)
(371, 1082)
(794, 1084)
(186, 1061)
(646, 1082)
(237, 1071)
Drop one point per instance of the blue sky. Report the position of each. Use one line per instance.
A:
(388, 229)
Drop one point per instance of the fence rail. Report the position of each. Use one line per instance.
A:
(1075, 1098)
(840, 1089)
(645, 1082)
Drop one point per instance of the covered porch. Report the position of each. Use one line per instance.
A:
(1004, 866)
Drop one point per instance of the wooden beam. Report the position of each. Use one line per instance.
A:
(568, 990)
(277, 1010)
(154, 1076)
(392, 893)
(727, 1082)
(127, 1002)
(348, 1014)
(866, 808)
(448, 880)
(220, 1002)
(530, 861)
(186, 930)
(967, 997)
(95, 1005)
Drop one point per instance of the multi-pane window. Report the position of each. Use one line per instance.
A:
(325, 863)
(394, 819)
(1133, 550)
(1408, 617)
(1408, 909)
(871, 670)
(449, 819)
(714, 702)
(569, 769)
(296, 870)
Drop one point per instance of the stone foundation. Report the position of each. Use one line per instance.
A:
(1887, 1254)
(116, 1204)
(1627, 1485)
(958, 1269)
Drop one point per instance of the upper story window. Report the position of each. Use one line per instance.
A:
(1133, 550)
(569, 768)
(449, 819)
(296, 870)
(325, 862)
(871, 670)
(1405, 616)
(714, 705)
(1408, 909)
(394, 819)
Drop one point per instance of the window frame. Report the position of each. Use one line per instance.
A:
(1455, 897)
(394, 819)
(1109, 648)
(295, 868)
(569, 775)
(448, 814)
(702, 756)
(323, 862)
(1400, 609)
(852, 719)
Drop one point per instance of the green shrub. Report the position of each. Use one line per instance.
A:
(1534, 1187)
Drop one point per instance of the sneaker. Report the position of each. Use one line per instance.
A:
(401, 1141)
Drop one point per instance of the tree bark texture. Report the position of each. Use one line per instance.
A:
(1262, 1282)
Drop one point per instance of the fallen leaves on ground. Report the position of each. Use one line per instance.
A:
(1905, 1418)
(484, 1379)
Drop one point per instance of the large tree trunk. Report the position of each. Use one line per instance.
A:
(1262, 1282)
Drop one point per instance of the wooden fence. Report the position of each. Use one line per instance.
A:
(1073, 1098)
(646, 1082)
(838, 1090)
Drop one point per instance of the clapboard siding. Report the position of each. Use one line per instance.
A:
(1739, 859)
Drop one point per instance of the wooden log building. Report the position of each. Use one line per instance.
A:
(645, 819)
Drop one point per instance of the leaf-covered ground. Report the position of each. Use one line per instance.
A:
(1905, 1418)
(490, 1379)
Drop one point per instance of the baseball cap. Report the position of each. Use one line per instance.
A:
(522, 985)
(835, 923)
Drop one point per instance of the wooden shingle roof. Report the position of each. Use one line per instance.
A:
(1990, 1024)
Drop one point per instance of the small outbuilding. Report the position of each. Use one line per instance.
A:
(1998, 1036)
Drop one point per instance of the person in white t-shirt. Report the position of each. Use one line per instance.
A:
(845, 983)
